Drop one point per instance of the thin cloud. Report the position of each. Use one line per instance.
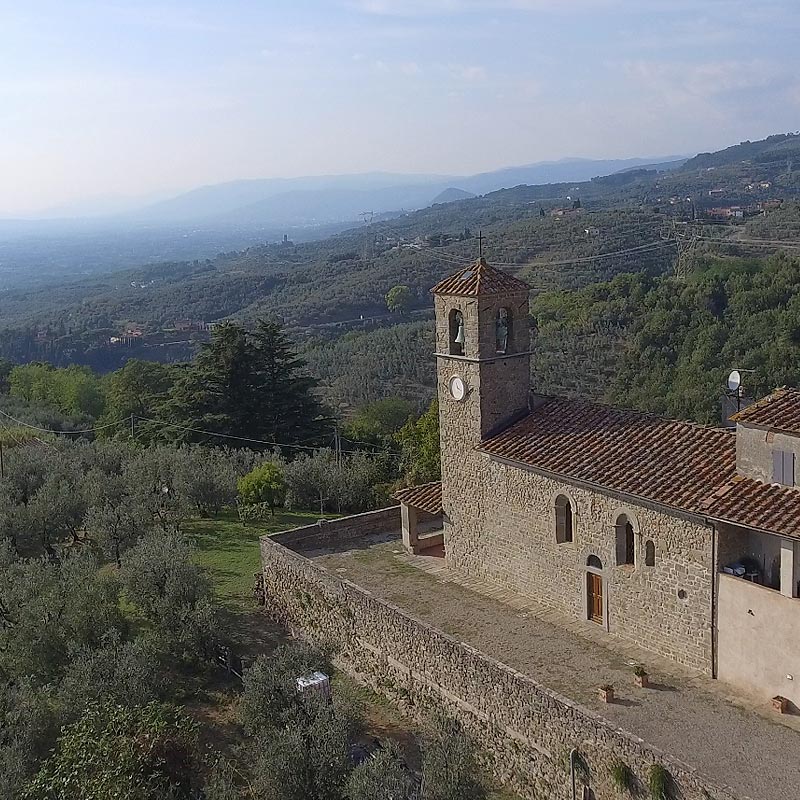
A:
(428, 8)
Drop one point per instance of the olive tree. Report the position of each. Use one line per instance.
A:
(48, 608)
(383, 776)
(160, 577)
(136, 752)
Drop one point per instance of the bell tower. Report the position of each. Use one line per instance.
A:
(483, 374)
(482, 350)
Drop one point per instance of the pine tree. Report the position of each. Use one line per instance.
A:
(248, 384)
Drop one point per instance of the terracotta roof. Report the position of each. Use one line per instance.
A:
(779, 410)
(677, 464)
(427, 497)
(746, 501)
(479, 279)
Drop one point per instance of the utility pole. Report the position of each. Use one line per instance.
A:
(369, 235)
(2, 463)
(685, 250)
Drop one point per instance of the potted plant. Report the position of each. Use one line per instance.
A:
(640, 677)
(606, 692)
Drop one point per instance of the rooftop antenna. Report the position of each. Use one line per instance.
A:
(480, 244)
(736, 386)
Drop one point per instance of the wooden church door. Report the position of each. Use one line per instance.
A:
(594, 597)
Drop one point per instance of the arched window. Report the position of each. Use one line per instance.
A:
(625, 540)
(456, 320)
(594, 561)
(563, 519)
(649, 554)
(502, 328)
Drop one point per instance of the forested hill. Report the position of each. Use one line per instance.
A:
(667, 344)
(774, 150)
(556, 236)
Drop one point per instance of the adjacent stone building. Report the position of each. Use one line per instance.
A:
(681, 538)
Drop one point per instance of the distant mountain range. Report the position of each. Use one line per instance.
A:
(317, 200)
(336, 198)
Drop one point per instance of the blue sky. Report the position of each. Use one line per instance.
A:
(127, 98)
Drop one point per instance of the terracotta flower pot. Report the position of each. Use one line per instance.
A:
(606, 694)
(780, 704)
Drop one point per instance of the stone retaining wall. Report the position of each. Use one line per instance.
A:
(524, 730)
(333, 532)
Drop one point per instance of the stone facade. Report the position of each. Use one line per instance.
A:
(499, 519)
(506, 532)
(523, 730)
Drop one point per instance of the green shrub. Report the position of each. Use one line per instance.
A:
(658, 782)
(621, 776)
(264, 484)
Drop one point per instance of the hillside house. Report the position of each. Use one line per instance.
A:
(680, 538)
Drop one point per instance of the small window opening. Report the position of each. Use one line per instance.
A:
(625, 540)
(502, 330)
(594, 561)
(564, 531)
(456, 332)
(649, 554)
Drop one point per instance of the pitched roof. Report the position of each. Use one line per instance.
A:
(427, 497)
(678, 464)
(779, 410)
(746, 501)
(479, 279)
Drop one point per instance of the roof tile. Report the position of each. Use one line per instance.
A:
(479, 279)
(677, 464)
(779, 411)
(426, 497)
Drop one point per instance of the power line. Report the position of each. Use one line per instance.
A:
(750, 242)
(237, 438)
(176, 427)
(651, 246)
(62, 433)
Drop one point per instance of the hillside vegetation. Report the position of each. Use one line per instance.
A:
(670, 343)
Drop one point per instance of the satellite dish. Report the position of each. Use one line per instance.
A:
(735, 381)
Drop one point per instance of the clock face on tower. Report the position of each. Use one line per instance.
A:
(458, 390)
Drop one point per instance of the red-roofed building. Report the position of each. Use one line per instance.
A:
(681, 538)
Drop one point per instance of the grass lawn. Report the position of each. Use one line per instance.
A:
(229, 551)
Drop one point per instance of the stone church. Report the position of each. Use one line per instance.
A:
(680, 538)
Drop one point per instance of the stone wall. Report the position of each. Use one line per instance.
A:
(501, 526)
(523, 730)
(333, 532)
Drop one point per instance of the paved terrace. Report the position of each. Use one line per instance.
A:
(733, 741)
